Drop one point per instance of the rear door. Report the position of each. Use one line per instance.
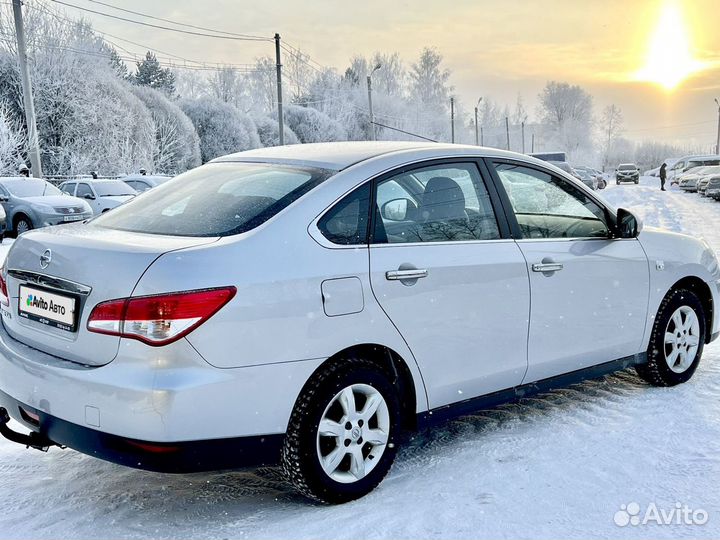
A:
(446, 272)
(589, 291)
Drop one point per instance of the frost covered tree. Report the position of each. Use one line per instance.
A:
(268, 131)
(12, 143)
(177, 145)
(611, 125)
(566, 111)
(150, 73)
(262, 85)
(221, 127)
(430, 93)
(311, 125)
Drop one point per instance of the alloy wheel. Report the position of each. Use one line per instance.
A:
(353, 433)
(682, 338)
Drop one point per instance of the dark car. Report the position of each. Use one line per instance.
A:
(627, 172)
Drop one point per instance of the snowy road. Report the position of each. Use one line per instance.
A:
(560, 465)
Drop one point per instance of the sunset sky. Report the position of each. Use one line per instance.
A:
(659, 60)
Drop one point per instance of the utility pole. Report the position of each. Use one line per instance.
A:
(278, 65)
(717, 145)
(482, 136)
(522, 127)
(507, 131)
(452, 119)
(373, 133)
(33, 146)
(477, 142)
(532, 146)
(372, 117)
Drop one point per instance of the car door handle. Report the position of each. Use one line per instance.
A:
(547, 267)
(414, 273)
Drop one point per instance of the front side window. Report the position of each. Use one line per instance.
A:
(549, 207)
(217, 199)
(68, 188)
(448, 203)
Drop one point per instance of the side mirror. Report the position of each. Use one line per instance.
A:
(628, 225)
(89, 196)
(397, 209)
(4, 198)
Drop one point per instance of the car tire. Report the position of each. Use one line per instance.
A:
(677, 340)
(637, 181)
(22, 224)
(617, 182)
(317, 464)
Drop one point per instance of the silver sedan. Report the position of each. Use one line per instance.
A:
(306, 305)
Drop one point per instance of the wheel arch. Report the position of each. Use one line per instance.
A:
(19, 214)
(703, 292)
(393, 364)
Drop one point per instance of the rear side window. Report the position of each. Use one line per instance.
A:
(218, 199)
(346, 223)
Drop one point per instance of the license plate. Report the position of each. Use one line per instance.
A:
(48, 308)
(73, 218)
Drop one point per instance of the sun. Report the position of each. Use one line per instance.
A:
(669, 58)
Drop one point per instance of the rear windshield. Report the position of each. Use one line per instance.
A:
(113, 189)
(627, 167)
(218, 199)
(30, 187)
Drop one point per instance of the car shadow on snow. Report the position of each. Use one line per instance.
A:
(203, 494)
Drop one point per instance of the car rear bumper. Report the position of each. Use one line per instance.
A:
(151, 402)
(178, 457)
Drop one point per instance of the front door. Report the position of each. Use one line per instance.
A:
(589, 292)
(455, 288)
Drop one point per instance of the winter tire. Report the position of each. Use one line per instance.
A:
(22, 225)
(340, 441)
(677, 340)
(617, 182)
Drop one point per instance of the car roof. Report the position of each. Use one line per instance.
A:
(337, 156)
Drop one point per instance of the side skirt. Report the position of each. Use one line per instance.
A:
(516, 393)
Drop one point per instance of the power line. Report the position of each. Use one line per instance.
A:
(246, 36)
(233, 38)
(203, 65)
(405, 132)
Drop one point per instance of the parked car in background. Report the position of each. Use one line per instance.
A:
(3, 223)
(102, 195)
(599, 176)
(141, 183)
(652, 172)
(712, 189)
(627, 172)
(565, 166)
(31, 203)
(370, 259)
(587, 178)
(686, 163)
(704, 174)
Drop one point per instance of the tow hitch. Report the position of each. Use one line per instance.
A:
(32, 440)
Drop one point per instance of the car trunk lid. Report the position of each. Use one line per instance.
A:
(51, 270)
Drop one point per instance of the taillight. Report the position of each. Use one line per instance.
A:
(158, 319)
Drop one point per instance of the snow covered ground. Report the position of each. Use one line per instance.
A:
(557, 466)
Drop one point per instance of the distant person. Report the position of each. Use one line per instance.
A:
(143, 172)
(663, 176)
(24, 171)
(94, 175)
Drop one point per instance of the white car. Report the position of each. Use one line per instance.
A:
(307, 305)
(101, 195)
